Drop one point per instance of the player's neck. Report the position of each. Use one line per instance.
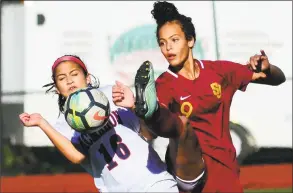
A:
(190, 69)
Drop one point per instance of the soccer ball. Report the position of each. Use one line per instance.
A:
(87, 110)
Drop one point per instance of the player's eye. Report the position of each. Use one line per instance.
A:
(62, 78)
(175, 39)
(75, 74)
(161, 43)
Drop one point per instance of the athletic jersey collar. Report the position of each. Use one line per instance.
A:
(176, 75)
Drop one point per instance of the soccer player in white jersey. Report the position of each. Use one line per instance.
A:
(117, 157)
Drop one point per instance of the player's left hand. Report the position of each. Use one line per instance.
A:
(253, 61)
(122, 95)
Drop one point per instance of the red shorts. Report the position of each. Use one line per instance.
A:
(220, 178)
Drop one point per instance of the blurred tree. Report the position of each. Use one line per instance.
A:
(12, 1)
(21, 160)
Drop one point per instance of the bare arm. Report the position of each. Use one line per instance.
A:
(274, 76)
(268, 74)
(62, 143)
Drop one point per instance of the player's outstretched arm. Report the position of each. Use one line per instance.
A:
(269, 74)
(274, 76)
(62, 143)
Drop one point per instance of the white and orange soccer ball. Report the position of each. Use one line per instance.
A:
(87, 110)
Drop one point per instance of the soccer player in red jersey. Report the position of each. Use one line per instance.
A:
(202, 91)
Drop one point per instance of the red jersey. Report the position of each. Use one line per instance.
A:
(206, 102)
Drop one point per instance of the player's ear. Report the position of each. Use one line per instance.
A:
(57, 91)
(191, 42)
(88, 79)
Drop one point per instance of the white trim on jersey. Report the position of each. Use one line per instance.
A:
(176, 76)
(201, 63)
(172, 73)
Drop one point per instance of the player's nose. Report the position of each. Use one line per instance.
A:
(69, 81)
(168, 46)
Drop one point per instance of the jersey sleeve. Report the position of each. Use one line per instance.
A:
(237, 74)
(64, 129)
(128, 119)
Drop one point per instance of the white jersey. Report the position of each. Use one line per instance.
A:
(118, 158)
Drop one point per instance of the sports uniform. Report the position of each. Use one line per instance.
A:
(206, 102)
(117, 157)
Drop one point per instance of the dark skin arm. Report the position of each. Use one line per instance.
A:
(269, 75)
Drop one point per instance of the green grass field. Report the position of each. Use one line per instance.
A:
(283, 190)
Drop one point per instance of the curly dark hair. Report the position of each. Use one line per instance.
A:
(164, 12)
(62, 99)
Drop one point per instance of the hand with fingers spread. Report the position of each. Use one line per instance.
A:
(30, 120)
(122, 95)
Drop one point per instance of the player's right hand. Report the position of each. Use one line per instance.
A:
(30, 120)
(122, 95)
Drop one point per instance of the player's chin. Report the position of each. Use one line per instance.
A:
(175, 63)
